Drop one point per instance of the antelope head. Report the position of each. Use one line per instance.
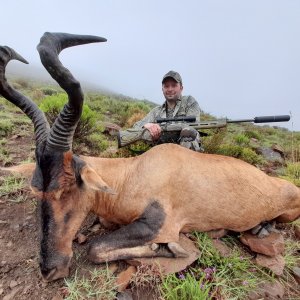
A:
(59, 177)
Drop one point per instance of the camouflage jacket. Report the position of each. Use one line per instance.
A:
(185, 106)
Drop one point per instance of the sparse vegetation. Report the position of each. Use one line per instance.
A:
(98, 284)
(12, 188)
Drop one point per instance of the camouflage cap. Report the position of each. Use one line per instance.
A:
(175, 75)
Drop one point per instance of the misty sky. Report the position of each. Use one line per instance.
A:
(238, 58)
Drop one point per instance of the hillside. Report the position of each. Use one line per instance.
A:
(214, 275)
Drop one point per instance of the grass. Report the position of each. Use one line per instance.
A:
(213, 276)
(12, 188)
(186, 287)
(98, 284)
(147, 278)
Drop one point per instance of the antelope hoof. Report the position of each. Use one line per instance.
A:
(264, 229)
(177, 250)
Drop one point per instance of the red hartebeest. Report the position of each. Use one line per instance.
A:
(167, 190)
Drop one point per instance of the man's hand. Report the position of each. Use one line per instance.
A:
(154, 130)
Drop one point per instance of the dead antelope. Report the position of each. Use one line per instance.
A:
(167, 190)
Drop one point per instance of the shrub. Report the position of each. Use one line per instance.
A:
(37, 95)
(97, 141)
(251, 157)
(49, 91)
(252, 134)
(6, 127)
(230, 150)
(23, 83)
(242, 140)
(237, 151)
(292, 173)
(212, 143)
(52, 105)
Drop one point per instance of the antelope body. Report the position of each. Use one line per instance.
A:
(167, 190)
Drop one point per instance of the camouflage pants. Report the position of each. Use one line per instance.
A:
(189, 138)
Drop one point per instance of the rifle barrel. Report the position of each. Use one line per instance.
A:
(264, 119)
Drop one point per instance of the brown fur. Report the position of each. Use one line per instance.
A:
(197, 191)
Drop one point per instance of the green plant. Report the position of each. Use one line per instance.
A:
(97, 142)
(213, 142)
(253, 134)
(251, 157)
(52, 105)
(234, 276)
(292, 173)
(6, 127)
(242, 140)
(99, 284)
(12, 188)
(185, 287)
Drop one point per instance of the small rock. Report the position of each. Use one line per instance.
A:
(81, 238)
(278, 149)
(267, 290)
(270, 155)
(275, 264)
(3, 263)
(270, 245)
(217, 234)
(222, 248)
(123, 278)
(296, 273)
(9, 244)
(12, 284)
(1, 291)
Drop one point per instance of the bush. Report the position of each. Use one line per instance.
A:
(97, 141)
(240, 152)
(49, 91)
(6, 127)
(52, 105)
(251, 157)
(230, 150)
(292, 173)
(212, 143)
(252, 134)
(242, 140)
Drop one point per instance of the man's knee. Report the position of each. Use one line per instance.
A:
(190, 138)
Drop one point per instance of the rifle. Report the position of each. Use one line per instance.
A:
(171, 127)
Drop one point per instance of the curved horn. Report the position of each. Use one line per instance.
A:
(51, 44)
(41, 126)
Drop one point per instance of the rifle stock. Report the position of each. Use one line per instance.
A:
(175, 125)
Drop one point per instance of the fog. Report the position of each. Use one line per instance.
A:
(239, 59)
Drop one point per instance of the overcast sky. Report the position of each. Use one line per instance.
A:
(238, 58)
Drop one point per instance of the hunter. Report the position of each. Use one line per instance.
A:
(175, 105)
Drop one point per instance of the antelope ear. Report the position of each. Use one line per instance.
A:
(25, 170)
(94, 181)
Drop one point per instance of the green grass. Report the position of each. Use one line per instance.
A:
(231, 277)
(97, 284)
(186, 287)
(12, 188)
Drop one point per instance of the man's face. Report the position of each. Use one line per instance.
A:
(171, 89)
